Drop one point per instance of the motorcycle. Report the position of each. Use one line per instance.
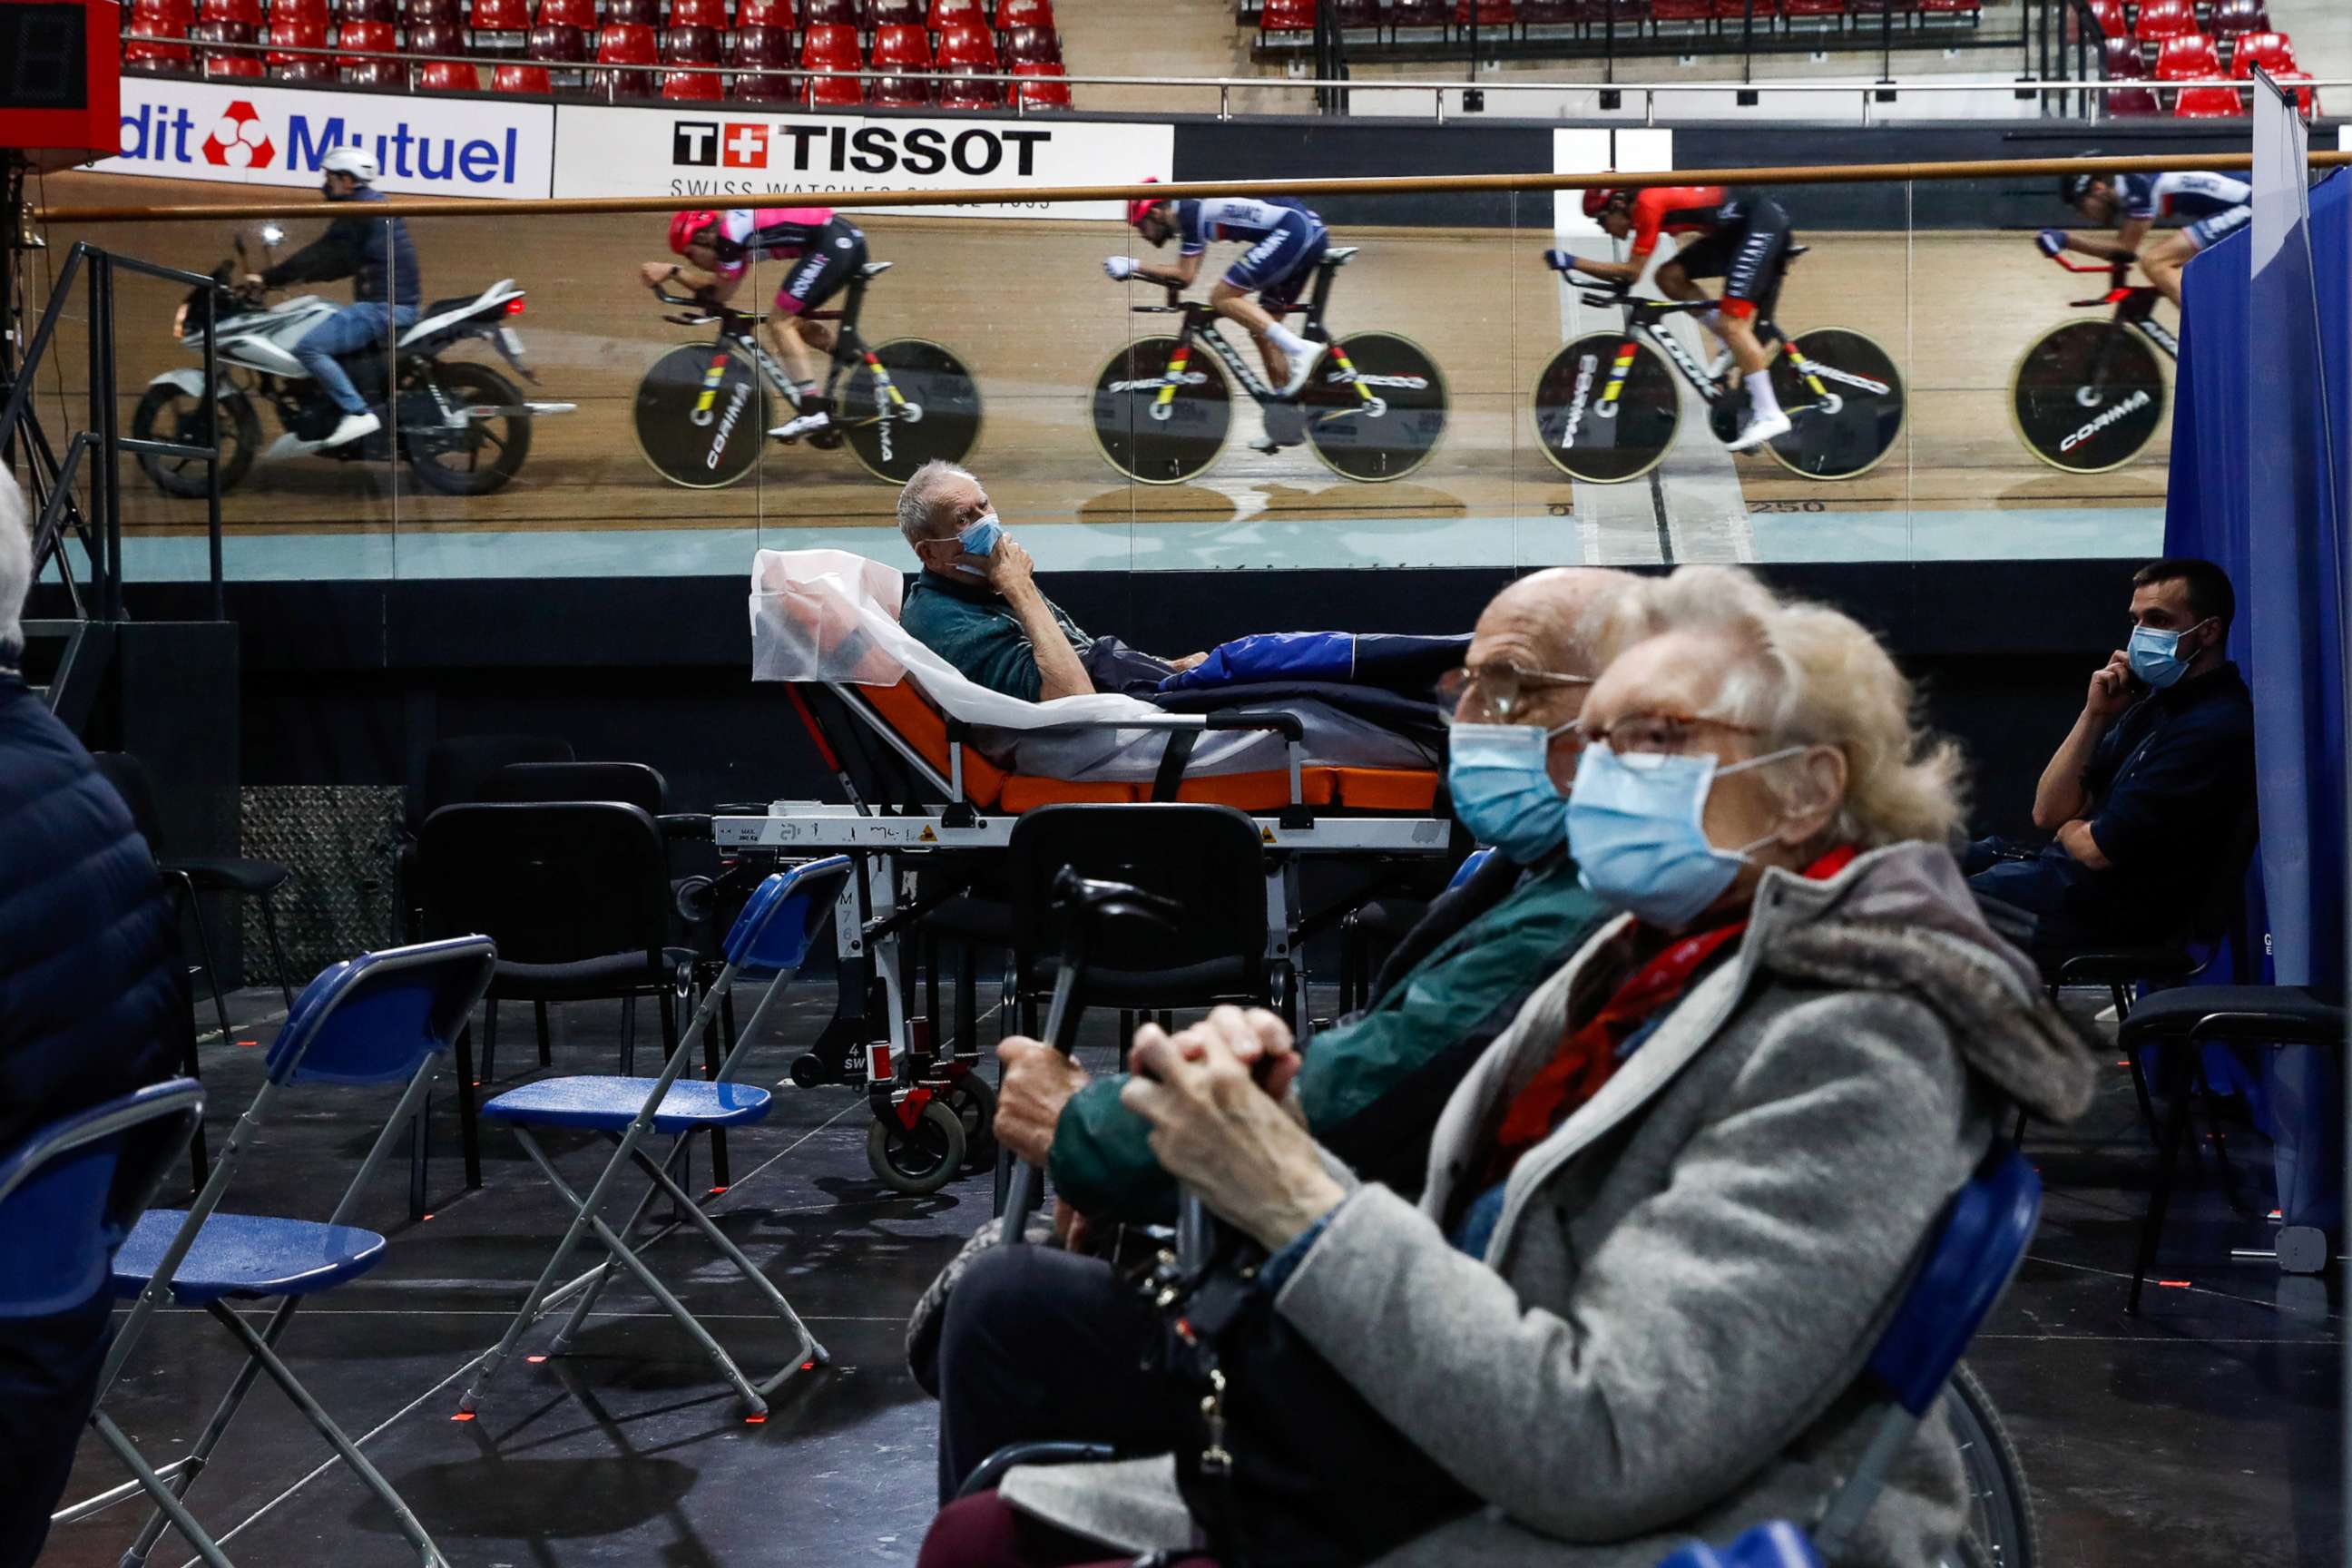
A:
(463, 428)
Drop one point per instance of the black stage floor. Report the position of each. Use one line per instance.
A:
(2205, 1431)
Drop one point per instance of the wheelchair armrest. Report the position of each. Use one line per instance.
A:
(991, 1470)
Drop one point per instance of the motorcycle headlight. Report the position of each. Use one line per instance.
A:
(180, 321)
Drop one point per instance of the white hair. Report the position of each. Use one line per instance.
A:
(1806, 675)
(916, 522)
(16, 568)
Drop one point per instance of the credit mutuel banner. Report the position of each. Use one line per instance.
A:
(714, 156)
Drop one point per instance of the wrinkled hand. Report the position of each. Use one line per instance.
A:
(1190, 661)
(2052, 241)
(1071, 1228)
(1119, 267)
(2113, 687)
(1036, 1082)
(1009, 570)
(657, 273)
(1218, 1131)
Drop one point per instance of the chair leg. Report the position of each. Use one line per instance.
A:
(602, 1275)
(278, 954)
(2175, 1122)
(546, 1044)
(712, 1054)
(490, 1039)
(212, 969)
(420, 1153)
(157, 1487)
(628, 1037)
(199, 1162)
(469, 1132)
(2139, 1089)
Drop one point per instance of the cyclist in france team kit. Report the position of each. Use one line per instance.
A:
(1284, 239)
(719, 248)
(1739, 236)
(2215, 206)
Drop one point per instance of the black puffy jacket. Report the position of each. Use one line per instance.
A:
(91, 1003)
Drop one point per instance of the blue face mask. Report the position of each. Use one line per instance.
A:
(1635, 828)
(2155, 656)
(1502, 791)
(978, 538)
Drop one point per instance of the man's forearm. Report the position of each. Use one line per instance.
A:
(1059, 673)
(2060, 797)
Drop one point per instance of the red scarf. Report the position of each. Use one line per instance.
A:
(1589, 1053)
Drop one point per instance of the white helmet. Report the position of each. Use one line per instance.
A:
(351, 161)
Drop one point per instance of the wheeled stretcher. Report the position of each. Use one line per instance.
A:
(934, 770)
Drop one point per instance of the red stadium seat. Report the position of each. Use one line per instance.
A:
(436, 38)
(1286, 17)
(777, 15)
(499, 17)
(763, 89)
(414, 15)
(524, 79)
(219, 62)
(946, 14)
(899, 92)
(179, 12)
(832, 46)
(690, 46)
(899, 46)
(1401, 13)
(2187, 56)
(2109, 14)
(1011, 13)
(155, 43)
(2208, 103)
(556, 45)
(693, 87)
(970, 92)
(632, 13)
(1951, 7)
(285, 33)
(765, 49)
(1490, 13)
(357, 40)
(2231, 17)
(1813, 8)
(881, 14)
(305, 70)
(246, 12)
(2272, 52)
(1033, 43)
(625, 43)
(967, 46)
(2306, 97)
(446, 76)
(1553, 13)
(1357, 13)
(580, 14)
(351, 11)
(1041, 87)
(829, 13)
(710, 14)
(2161, 19)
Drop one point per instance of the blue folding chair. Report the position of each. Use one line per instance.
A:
(380, 1018)
(772, 935)
(1969, 1263)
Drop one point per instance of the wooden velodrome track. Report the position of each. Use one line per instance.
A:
(1027, 307)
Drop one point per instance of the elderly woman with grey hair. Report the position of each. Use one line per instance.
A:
(1671, 1208)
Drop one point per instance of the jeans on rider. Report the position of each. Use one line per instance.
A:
(353, 327)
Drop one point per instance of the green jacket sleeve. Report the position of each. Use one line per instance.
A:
(987, 647)
(1102, 1161)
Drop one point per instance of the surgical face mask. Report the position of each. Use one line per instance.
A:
(1635, 829)
(2155, 655)
(1502, 789)
(979, 537)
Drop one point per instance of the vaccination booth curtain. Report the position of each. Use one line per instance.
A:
(2259, 484)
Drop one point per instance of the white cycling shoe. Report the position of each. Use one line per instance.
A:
(1759, 431)
(1304, 370)
(807, 424)
(351, 428)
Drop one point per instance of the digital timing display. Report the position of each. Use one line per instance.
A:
(42, 63)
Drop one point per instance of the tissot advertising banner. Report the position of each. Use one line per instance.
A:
(245, 134)
(716, 154)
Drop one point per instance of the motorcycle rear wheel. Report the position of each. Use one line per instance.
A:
(484, 454)
(170, 414)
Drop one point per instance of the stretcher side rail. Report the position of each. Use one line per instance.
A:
(1185, 732)
(817, 826)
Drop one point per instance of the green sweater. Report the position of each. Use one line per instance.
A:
(971, 626)
(1372, 1086)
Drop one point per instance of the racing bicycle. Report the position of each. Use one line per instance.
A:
(2089, 395)
(702, 409)
(1607, 408)
(1372, 410)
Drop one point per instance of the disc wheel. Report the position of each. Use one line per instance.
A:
(939, 419)
(171, 415)
(1587, 435)
(2087, 396)
(2000, 1523)
(973, 1100)
(1848, 432)
(918, 1159)
(701, 416)
(478, 455)
(1374, 407)
(1156, 443)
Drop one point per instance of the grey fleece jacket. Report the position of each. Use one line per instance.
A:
(1665, 1337)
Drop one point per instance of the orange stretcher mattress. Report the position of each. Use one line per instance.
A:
(990, 788)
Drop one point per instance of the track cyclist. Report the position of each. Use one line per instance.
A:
(1739, 236)
(719, 248)
(1284, 239)
(2215, 206)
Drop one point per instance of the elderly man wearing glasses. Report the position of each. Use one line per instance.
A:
(1372, 1087)
(1667, 1211)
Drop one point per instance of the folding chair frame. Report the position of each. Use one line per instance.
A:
(629, 1150)
(169, 1487)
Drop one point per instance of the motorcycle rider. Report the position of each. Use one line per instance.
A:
(376, 256)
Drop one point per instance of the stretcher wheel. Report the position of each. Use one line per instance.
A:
(1587, 434)
(809, 1072)
(920, 1159)
(973, 1100)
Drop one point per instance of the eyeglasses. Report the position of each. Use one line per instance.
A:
(1497, 693)
(1658, 734)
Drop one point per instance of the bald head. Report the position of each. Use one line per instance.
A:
(1562, 619)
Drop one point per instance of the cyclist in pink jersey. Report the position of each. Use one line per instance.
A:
(825, 252)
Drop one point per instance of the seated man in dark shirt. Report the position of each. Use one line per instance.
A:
(2143, 797)
(976, 602)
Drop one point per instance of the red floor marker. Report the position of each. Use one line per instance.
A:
(463, 1415)
(754, 1420)
(808, 1366)
(715, 1192)
(534, 1360)
(428, 1216)
(2175, 1284)
(248, 1042)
